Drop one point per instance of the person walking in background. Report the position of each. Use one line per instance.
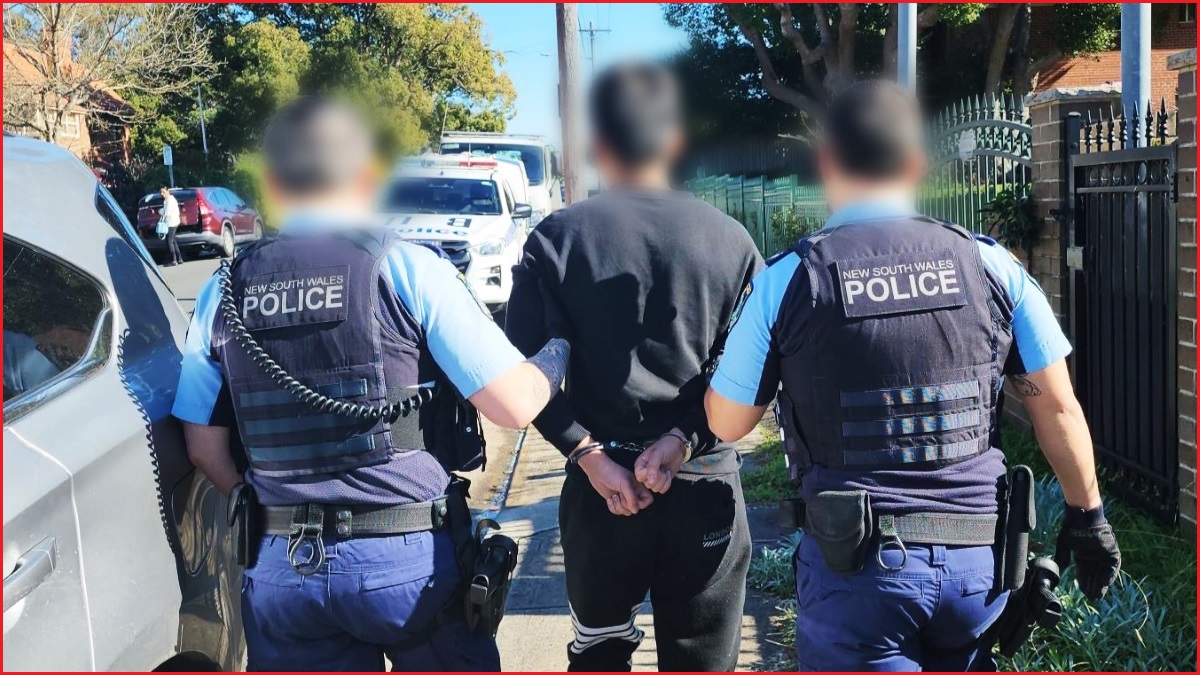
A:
(646, 279)
(170, 214)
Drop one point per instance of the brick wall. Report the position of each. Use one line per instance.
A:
(1168, 35)
(1184, 65)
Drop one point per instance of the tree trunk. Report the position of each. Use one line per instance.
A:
(889, 43)
(1006, 19)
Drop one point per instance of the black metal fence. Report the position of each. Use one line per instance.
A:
(1122, 274)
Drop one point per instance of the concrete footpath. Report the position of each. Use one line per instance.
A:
(537, 627)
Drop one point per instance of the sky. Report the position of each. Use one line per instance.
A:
(526, 34)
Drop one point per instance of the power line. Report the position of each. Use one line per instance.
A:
(591, 31)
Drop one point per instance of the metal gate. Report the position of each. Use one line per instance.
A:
(979, 148)
(1122, 271)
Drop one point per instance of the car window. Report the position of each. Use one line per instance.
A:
(217, 197)
(56, 321)
(466, 196)
(234, 200)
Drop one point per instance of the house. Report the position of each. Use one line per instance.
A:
(1173, 28)
(94, 133)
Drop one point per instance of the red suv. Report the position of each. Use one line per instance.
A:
(209, 218)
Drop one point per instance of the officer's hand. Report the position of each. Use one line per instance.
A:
(1087, 536)
(616, 484)
(658, 464)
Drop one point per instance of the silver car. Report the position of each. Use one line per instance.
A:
(116, 551)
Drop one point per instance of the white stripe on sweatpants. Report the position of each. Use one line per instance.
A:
(586, 636)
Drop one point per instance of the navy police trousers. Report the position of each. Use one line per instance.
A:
(371, 599)
(931, 614)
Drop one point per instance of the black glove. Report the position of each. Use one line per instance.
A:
(1087, 536)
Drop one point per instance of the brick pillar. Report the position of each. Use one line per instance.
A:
(1048, 111)
(1184, 64)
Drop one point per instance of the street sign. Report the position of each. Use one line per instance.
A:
(168, 156)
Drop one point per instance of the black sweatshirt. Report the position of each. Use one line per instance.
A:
(646, 282)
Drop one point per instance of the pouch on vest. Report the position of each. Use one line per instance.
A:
(452, 431)
(842, 524)
(795, 453)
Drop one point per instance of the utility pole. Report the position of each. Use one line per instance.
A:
(567, 15)
(906, 45)
(1135, 61)
(591, 30)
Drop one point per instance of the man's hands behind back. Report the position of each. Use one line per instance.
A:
(616, 484)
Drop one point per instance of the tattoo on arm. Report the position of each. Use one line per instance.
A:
(552, 361)
(1024, 386)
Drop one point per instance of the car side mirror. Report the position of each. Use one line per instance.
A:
(555, 163)
(522, 211)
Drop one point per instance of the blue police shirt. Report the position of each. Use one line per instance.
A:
(748, 372)
(464, 341)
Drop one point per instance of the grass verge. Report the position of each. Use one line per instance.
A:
(1146, 623)
(766, 480)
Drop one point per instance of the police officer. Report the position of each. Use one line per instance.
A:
(891, 335)
(338, 352)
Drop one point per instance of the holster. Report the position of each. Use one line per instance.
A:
(485, 561)
(245, 523)
(842, 524)
(1018, 518)
(491, 579)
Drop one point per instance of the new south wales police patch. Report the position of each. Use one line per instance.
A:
(904, 282)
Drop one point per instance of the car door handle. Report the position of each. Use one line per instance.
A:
(32, 569)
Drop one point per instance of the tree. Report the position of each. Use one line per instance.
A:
(801, 54)
(420, 67)
(62, 58)
(826, 38)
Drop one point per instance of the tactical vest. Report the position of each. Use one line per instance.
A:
(316, 304)
(899, 367)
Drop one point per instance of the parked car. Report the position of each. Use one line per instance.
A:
(116, 551)
(212, 218)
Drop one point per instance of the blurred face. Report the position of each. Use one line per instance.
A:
(163, 192)
(842, 188)
(653, 173)
(355, 196)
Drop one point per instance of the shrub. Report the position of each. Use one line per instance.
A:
(1146, 622)
(790, 224)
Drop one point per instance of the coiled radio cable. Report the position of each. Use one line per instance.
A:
(387, 413)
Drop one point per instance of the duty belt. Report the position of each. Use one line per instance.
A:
(348, 521)
(305, 523)
(948, 529)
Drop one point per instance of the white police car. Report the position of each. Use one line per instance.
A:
(467, 207)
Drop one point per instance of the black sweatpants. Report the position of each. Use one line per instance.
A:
(689, 550)
(173, 245)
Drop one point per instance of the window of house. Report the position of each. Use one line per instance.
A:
(71, 124)
(56, 321)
